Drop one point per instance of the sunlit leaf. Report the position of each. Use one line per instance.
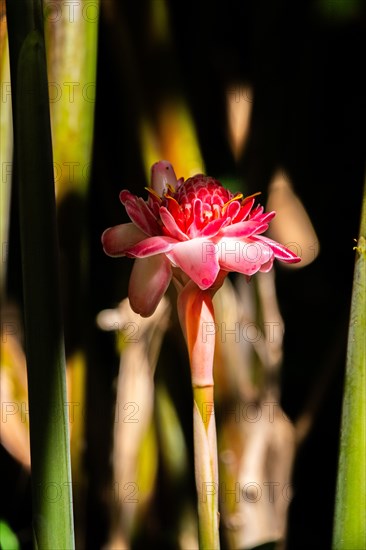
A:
(349, 522)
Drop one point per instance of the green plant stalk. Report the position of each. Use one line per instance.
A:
(49, 434)
(349, 522)
(71, 33)
(195, 310)
(205, 463)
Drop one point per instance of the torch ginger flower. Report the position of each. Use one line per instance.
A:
(196, 232)
(191, 229)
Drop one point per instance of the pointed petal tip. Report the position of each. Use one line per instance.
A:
(126, 195)
(108, 243)
(116, 240)
(102, 238)
(294, 260)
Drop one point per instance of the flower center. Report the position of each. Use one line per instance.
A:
(208, 190)
(199, 202)
(199, 199)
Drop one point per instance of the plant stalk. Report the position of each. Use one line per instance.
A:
(49, 433)
(349, 523)
(196, 317)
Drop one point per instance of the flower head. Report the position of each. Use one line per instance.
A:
(192, 230)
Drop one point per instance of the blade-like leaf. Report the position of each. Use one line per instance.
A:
(349, 523)
(49, 434)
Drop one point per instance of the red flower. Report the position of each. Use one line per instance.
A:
(190, 229)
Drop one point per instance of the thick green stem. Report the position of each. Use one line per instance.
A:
(349, 522)
(196, 316)
(49, 434)
(205, 458)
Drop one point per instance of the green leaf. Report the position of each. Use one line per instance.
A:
(8, 539)
(349, 523)
(49, 434)
(71, 43)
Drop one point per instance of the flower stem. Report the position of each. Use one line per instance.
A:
(196, 316)
(205, 457)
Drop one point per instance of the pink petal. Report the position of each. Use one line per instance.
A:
(212, 228)
(198, 259)
(154, 204)
(126, 195)
(232, 209)
(171, 225)
(265, 218)
(244, 211)
(176, 211)
(139, 212)
(194, 230)
(281, 252)
(151, 246)
(267, 266)
(150, 278)
(243, 256)
(258, 211)
(244, 229)
(162, 175)
(117, 239)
